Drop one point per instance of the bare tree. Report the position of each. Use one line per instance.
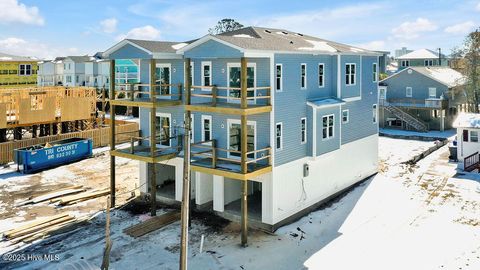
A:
(225, 25)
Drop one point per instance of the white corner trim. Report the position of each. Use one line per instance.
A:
(350, 99)
(314, 135)
(339, 77)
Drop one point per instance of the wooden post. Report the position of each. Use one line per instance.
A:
(108, 241)
(112, 133)
(186, 175)
(153, 141)
(244, 213)
(104, 105)
(179, 87)
(243, 82)
(243, 143)
(214, 154)
(214, 95)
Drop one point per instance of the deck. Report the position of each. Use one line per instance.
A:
(142, 153)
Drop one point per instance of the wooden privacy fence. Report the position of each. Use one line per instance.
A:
(100, 137)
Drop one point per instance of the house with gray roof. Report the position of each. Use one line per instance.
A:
(276, 116)
(421, 98)
(422, 58)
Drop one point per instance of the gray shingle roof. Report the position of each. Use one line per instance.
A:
(259, 38)
(84, 58)
(8, 57)
(156, 46)
(445, 75)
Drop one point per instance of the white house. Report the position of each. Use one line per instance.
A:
(97, 72)
(468, 129)
(74, 70)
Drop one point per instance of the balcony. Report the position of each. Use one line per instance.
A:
(429, 103)
(207, 158)
(230, 100)
(139, 95)
(166, 148)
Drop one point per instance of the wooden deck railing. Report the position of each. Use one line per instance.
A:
(131, 91)
(211, 151)
(224, 94)
(135, 139)
(434, 103)
(471, 162)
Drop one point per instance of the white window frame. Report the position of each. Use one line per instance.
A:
(206, 117)
(169, 116)
(303, 135)
(354, 65)
(169, 66)
(348, 116)
(322, 75)
(279, 89)
(249, 123)
(333, 127)
(203, 65)
(380, 90)
(375, 72)
(303, 79)
(407, 93)
(374, 113)
(470, 136)
(237, 64)
(405, 63)
(281, 136)
(430, 89)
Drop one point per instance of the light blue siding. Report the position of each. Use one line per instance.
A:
(330, 144)
(349, 91)
(361, 124)
(211, 49)
(396, 86)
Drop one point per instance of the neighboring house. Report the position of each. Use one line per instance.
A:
(421, 98)
(383, 61)
(50, 72)
(97, 73)
(468, 145)
(402, 51)
(74, 70)
(421, 58)
(126, 71)
(17, 70)
(306, 131)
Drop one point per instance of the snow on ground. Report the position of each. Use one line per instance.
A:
(435, 134)
(406, 217)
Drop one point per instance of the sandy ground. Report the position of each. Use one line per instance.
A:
(424, 216)
(92, 173)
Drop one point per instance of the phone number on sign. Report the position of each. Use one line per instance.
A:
(30, 257)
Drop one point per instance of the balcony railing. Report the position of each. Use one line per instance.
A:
(430, 103)
(216, 95)
(207, 154)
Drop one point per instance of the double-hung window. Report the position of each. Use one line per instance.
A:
(278, 137)
(375, 72)
(328, 126)
(303, 123)
(321, 75)
(350, 74)
(405, 63)
(432, 92)
(25, 70)
(303, 71)
(278, 77)
(206, 127)
(473, 136)
(206, 74)
(374, 113)
(408, 91)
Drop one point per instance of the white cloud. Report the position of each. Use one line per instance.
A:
(19, 46)
(109, 25)
(11, 11)
(412, 30)
(460, 28)
(376, 45)
(145, 32)
(478, 7)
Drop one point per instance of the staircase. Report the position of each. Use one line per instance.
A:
(406, 117)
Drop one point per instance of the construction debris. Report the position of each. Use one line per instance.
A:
(44, 227)
(69, 200)
(152, 224)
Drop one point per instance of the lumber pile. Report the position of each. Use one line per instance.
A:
(69, 200)
(42, 228)
(67, 196)
(152, 224)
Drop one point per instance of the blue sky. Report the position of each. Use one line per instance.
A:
(48, 28)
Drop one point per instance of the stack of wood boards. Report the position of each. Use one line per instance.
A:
(69, 200)
(54, 195)
(152, 224)
(44, 227)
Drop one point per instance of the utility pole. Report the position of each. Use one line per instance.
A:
(112, 132)
(186, 173)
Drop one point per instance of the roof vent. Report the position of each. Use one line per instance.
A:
(298, 34)
(291, 42)
(284, 32)
(268, 31)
